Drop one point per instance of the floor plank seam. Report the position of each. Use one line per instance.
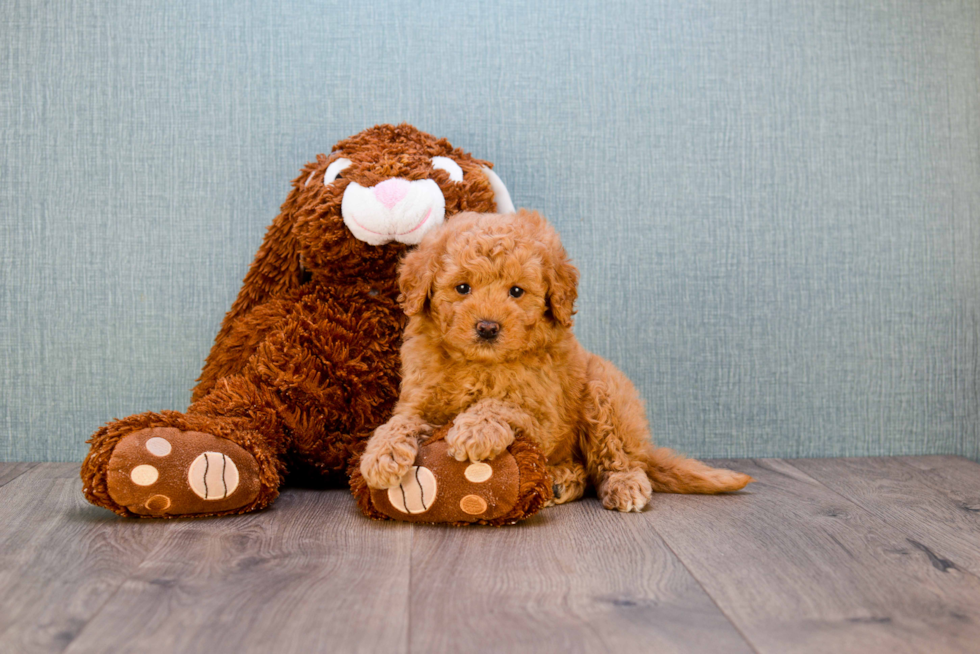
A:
(29, 467)
(925, 479)
(721, 610)
(933, 556)
(129, 577)
(411, 591)
(78, 634)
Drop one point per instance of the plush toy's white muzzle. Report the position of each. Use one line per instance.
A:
(402, 210)
(394, 210)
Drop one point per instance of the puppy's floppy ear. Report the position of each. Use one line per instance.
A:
(562, 289)
(560, 275)
(417, 271)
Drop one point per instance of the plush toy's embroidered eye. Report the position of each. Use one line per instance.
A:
(450, 166)
(333, 171)
(516, 291)
(463, 289)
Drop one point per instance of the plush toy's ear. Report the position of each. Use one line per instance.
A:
(417, 272)
(500, 195)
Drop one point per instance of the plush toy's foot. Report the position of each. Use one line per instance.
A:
(437, 488)
(166, 472)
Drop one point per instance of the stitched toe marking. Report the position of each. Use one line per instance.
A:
(213, 476)
(415, 493)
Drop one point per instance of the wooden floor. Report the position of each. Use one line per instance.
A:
(822, 555)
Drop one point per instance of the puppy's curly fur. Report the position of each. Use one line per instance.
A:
(489, 346)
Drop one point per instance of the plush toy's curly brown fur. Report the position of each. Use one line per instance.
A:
(305, 365)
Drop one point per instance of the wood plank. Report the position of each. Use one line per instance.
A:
(574, 578)
(798, 568)
(60, 557)
(10, 471)
(947, 522)
(309, 574)
(956, 476)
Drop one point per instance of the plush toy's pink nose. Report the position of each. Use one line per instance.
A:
(391, 191)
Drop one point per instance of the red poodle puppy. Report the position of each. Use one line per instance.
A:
(489, 347)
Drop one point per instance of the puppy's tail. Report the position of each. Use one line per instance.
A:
(670, 472)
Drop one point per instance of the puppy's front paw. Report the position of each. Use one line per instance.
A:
(388, 456)
(385, 465)
(626, 491)
(478, 437)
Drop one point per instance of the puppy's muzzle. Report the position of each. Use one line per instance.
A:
(487, 329)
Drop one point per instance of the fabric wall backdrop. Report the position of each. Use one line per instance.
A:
(775, 206)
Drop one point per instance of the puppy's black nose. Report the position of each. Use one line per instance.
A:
(487, 329)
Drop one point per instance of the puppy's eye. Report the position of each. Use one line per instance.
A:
(463, 289)
(516, 291)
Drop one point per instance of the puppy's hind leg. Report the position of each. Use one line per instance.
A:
(618, 448)
(568, 482)
(614, 434)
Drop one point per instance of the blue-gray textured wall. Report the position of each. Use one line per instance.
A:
(775, 206)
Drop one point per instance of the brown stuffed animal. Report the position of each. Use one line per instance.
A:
(305, 365)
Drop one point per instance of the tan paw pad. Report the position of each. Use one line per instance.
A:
(478, 472)
(473, 505)
(144, 475)
(158, 446)
(157, 503)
